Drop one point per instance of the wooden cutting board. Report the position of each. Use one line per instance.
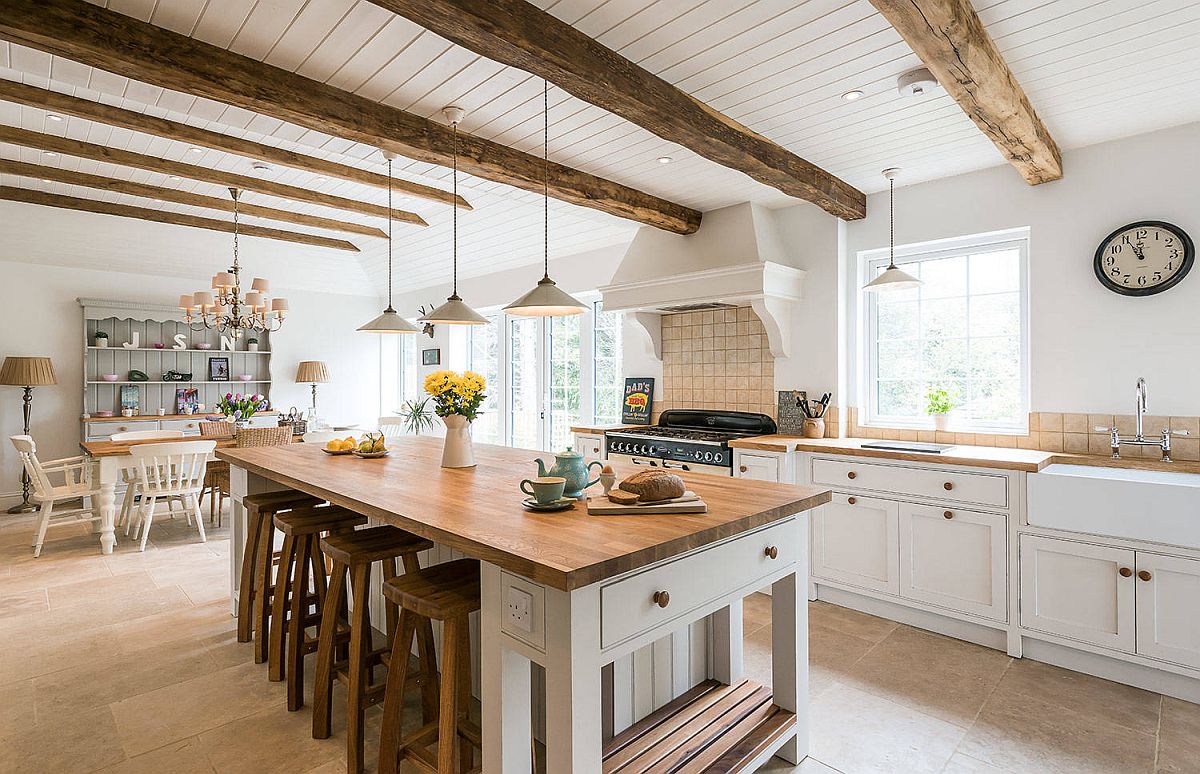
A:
(602, 506)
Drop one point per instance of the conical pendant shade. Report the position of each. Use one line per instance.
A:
(546, 300)
(892, 279)
(390, 322)
(454, 312)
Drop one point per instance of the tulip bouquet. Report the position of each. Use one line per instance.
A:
(241, 407)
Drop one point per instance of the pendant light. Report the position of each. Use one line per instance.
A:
(546, 299)
(390, 321)
(454, 311)
(892, 278)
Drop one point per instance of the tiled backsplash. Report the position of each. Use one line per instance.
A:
(717, 360)
(1058, 432)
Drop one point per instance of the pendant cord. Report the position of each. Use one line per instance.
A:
(546, 179)
(234, 191)
(389, 161)
(891, 224)
(454, 243)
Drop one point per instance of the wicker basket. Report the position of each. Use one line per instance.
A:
(263, 436)
(216, 429)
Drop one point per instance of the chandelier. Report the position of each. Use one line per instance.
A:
(225, 308)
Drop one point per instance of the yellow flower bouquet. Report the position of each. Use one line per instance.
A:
(456, 394)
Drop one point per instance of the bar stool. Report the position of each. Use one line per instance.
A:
(254, 612)
(352, 554)
(300, 561)
(449, 593)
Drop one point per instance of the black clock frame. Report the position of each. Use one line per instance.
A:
(1189, 257)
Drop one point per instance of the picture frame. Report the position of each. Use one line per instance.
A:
(431, 357)
(789, 418)
(637, 401)
(131, 400)
(187, 400)
(218, 369)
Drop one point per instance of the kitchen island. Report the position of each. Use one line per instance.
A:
(591, 590)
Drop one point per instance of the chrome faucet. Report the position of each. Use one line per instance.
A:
(1163, 442)
(1139, 396)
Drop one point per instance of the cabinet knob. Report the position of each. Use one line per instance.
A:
(1125, 572)
(122, 428)
(662, 598)
(948, 514)
(742, 468)
(852, 475)
(851, 500)
(771, 551)
(1144, 575)
(947, 486)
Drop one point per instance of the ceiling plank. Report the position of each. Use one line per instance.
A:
(519, 34)
(100, 183)
(951, 40)
(89, 150)
(57, 102)
(27, 196)
(112, 42)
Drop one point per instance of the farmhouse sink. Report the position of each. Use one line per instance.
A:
(1151, 505)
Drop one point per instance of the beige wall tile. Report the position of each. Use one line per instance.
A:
(1125, 424)
(1051, 423)
(1035, 422)
(1006, 441)
(1099, 420)
(1098, 444)
(1190, 425)
(927, 436)
(1028, 441)
(1049, 441)
(1185, 448)
(1075, 443)
(1075, 423)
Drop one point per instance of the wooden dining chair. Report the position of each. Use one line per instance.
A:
(129, 475)
(170, 470)
(78, 481)
(216, 478)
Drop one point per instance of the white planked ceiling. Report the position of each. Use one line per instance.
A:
(1094, 70)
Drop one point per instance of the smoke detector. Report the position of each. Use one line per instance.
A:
(916, 82)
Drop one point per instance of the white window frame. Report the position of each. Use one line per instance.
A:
(871, 261)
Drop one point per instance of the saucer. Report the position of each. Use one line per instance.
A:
(560, 504)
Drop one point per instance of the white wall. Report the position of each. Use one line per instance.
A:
(40, 316)
(1088, 345)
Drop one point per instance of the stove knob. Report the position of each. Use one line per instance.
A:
(647, 449)
(615, 446)
(708, 456)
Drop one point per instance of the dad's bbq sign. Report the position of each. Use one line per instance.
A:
(639, 395)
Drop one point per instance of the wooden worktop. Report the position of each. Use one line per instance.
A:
(598, 429)
(1027, 460)
(478, 510)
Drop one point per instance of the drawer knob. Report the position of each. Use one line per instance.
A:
(947, 486)
(1125, 572)
(851, 500)
(771, 551)
(122, 428)
(948, 514)
(1144, 575)
(852, 474)
(662, 598)
(742, 468)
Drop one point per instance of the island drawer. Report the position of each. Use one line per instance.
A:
(940, 484)
(634, 605)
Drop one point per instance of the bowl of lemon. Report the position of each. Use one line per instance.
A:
(345, 445)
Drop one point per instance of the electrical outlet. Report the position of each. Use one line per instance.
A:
(519, 609)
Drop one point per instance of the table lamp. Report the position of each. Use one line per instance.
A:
(26, 372)
(312, 372)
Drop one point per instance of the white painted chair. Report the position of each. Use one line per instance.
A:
(170, 470)
(392, 427)
(77, 482)
(129, 476)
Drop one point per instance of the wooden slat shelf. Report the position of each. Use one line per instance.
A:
(119, 348)
(189, 381)
(712, 728)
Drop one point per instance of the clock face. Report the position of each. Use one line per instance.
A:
(1144, 258)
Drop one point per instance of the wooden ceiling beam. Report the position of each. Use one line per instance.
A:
(27, 196)
(89, 150)
(182, 197)
(56, 102)
(519, 34)
(951, 40)
(116, 43)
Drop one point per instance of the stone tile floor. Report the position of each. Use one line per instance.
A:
(129, 663)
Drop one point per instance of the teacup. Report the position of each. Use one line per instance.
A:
(544, 489)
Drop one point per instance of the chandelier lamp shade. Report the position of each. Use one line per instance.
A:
(390, 321)
(546, 299)
(225, 307)
(455, 311)
(892, 277)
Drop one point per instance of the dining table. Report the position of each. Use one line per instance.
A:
(576, 593)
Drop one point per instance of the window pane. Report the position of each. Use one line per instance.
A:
(943, 317)
(944, 277)
(606, 376)
(899, 398)
(564, 379)
(898, 359)
(996, 272)
(898, 320)
(483, 357)
(523, 383)
(996, 315)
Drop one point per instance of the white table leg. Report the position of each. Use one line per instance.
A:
(504, 687)
(108, 516)
(574, 714)
(727, 643)
(789, 647)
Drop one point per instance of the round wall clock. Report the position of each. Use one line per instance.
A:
(1144, 258)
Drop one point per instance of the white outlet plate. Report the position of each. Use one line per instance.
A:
(524, 612)
(519, 609)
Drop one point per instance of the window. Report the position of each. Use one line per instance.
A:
(483, 357)
(524, 390)
(964, 330)
(399, 372)
(607, 386)
(565, 384)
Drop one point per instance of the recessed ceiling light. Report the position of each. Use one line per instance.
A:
(852, 95)
(665, 159)
(54, 116)
(194, 149)
(175, 177)
(158, 200)
(51, 154)
(47, 180)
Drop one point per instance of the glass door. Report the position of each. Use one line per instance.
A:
(566, 382)
(525, 411)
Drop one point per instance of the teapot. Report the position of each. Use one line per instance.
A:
(569, 465)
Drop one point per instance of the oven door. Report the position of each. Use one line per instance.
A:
(686, 467)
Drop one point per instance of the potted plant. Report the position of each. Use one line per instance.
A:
(238, 408)
(456, 399)
(938, 404)
(416, 415)
(101, 339)
(251, 344)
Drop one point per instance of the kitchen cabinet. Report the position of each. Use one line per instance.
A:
(760, 467)
(955, 559)
(590, 446)
(1168, 608)
(855, 540)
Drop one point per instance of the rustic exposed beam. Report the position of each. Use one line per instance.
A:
(27, 196)
(950, 39)
(89, 150)
(181, 197)
(110, 41)
(174, 130)
(519, 34)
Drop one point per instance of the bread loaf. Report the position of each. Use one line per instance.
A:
(654, 485)
(621, 497)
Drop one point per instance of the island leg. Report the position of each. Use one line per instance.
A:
(574, 714)
(503, 687)
(108, 515)
(789, 647)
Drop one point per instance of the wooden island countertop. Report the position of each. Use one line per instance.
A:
(478, 510)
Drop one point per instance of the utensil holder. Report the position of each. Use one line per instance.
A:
(813, 428)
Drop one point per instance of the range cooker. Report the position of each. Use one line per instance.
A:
(694, 440)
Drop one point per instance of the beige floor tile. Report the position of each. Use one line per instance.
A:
(66, 743)
(1179, 737)
(1025, 733)
(91, 591)
(115, 608)
(49, 570)
(860, 733)
(17, 707)
(847, 621)
(47, 644)
(809, 765)
(830, 656)
(756, 612)
(198, 622)
(273, 740)
(23, 602)
(181, 710)
(183, 757)
(965, 764)
(952, 683)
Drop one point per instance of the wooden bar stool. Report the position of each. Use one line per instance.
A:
(352, 554)
(448, 593)
(300, 562)
(254, 612)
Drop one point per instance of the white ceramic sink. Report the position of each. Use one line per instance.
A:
(1151, 505)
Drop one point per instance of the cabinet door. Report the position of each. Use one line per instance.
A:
(955, 559)
(1078, 590)
(590, 446)
(856, 541)
(1168, 608)
(760, 467)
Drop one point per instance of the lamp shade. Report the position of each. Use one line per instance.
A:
(27, 372)
(546, 300)
(390, 322)
(279, 305)
(185, 302)
(312, 372)
(454, 312)
(892, 279)
(202, 298)
(261, 285)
